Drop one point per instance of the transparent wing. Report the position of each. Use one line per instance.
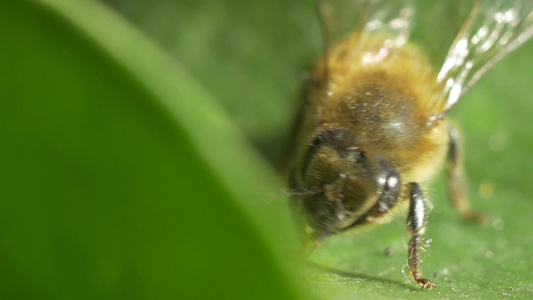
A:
(391, 19)
(493, 29)
(438, 23)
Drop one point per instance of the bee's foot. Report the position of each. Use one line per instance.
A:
(425, 283)
(481, 219)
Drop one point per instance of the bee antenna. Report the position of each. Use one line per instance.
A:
(302, 191)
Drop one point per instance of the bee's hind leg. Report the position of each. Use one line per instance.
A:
(416, 225)
(456, 179)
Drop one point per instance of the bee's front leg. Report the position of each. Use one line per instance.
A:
(308, 241)
(456, 179)
(416, 225)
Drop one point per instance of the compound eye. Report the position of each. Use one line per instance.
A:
(340, 140)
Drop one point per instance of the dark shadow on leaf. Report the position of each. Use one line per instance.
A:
(361, 276)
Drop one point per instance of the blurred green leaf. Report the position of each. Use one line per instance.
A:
(121, 177)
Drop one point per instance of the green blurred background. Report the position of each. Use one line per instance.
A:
(130, 132)
(251, 55)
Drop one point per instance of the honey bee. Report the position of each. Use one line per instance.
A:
(373, 130)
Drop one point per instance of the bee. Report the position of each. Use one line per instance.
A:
(374, 128)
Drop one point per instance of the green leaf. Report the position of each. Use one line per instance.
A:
(121, 177)
(250, 54)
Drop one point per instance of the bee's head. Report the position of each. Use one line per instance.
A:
(346, 180)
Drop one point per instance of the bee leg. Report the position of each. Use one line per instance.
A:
(416, 225)
(456, 179)
(296, 206)
(312, 242)
(299, 222)
(308, 241)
